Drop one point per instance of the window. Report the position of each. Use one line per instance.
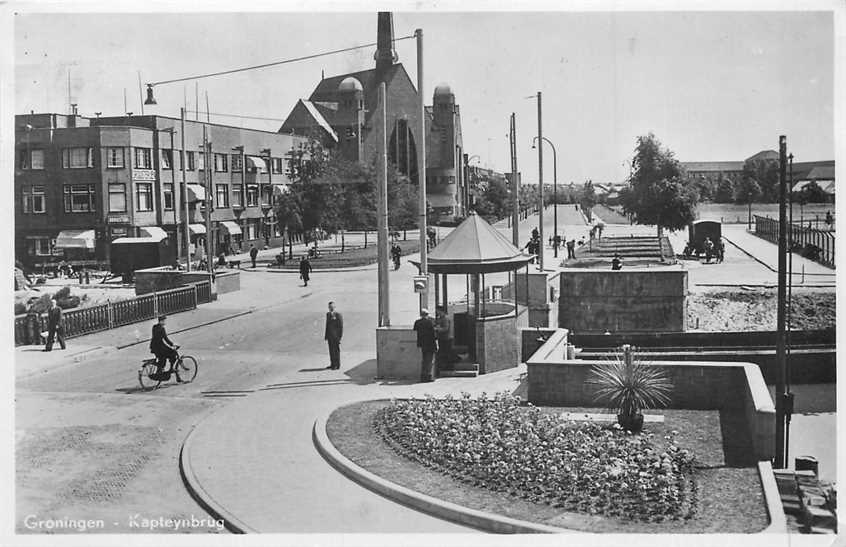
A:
(117, 198)
(39, 246)
(167, 159)
(221, 195)
(143, 158)
(236, 163)
(144, 196)
(252, 195)
(252, 232)
(33, 199)
(79, 198)
(201, 160)
(220, 161)
(277, 229)
(114, 157)
(77, 158)
(276, 166)
(167, 187)
(32, 159)
(237, 196)
(190, 165)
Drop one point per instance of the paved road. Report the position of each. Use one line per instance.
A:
(91, 445)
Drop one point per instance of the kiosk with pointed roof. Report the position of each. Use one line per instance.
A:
(487, 327)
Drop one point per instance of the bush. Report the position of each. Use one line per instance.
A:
(62, 293)
(40, 304)
(578, 466)
(67, 303)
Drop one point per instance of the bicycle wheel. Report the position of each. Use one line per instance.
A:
(144, 379)
(187, 367)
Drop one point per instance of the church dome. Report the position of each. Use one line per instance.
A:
(442, 89)
(350, 84)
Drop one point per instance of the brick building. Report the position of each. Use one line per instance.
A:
(82, 182)
(343, 113)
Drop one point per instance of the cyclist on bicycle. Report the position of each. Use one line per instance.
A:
(163, 348)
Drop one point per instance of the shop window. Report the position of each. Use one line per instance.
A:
(252, 232)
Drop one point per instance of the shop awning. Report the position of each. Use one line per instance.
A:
(197, 229)
(232, 228)
(155, 232)
(258, 163)
(196, 192)
(75, 239)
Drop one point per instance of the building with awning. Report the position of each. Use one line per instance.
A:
(230, 227)
(154, 232)
(196, 192)
(76, 239)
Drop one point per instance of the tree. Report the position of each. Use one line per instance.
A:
(747, 190)
(813, 193)
(725, 190)
(765, 173)
(588, 199)
(658, 193)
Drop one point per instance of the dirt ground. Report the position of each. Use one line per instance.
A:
(756, 309)
(89, 295)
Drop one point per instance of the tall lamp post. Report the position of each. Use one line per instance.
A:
(467, 182)
(554, 191)
(540, 176)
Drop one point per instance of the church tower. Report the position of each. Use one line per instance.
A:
(385, 55)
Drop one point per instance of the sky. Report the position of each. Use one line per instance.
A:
(712, 86)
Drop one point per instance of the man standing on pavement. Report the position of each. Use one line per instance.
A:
(334, 332)
(428, 344)
(443, 328)
(55, 326)
(305, 270)
(253, 254)
(571, 248)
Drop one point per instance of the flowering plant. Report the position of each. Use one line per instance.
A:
(579, 466)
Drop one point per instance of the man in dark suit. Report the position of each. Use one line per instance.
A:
(305, 270)
(334, 332)
(55, 328)
(162, 347)
(427, 341)
(253, 254)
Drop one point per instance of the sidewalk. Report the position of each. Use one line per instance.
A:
(268, 475)
(767, 253)
(32, 360)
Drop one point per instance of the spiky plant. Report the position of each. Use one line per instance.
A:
(630, 385)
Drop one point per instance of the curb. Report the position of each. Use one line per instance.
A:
(200, 495)
(778, 521)
(481, 520)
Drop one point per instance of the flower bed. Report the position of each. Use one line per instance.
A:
(578, 466)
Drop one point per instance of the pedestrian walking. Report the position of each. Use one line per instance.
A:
(253, 254)
(571, 248)
(55, 326)
(396, 254)
(708, 246)
(721, 250)
(333, 333)
(427, 341)
(305, 270)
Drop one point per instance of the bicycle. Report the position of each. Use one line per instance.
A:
(185, 365)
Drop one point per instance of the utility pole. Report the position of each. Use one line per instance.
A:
(781, 360)
(540, 182)
(421, 168)
(185, 221)
(382, 213)
(515, 184)
(208, 211)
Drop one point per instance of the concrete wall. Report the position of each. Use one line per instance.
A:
(227, 281)
(498, 341)
(698, 339)
(737, 388)
(397, 354)
(595, 301)
(158, 279)
(534, 290)
(529, 341)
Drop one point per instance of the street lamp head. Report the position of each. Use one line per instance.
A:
(150, 99)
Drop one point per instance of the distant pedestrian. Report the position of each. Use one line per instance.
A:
(55, 326)
(333, 333)
(253, 254)
(571, 248)
(617, 262)
(305, 270)
(721, 250)
(396, 254)
(428, 343)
